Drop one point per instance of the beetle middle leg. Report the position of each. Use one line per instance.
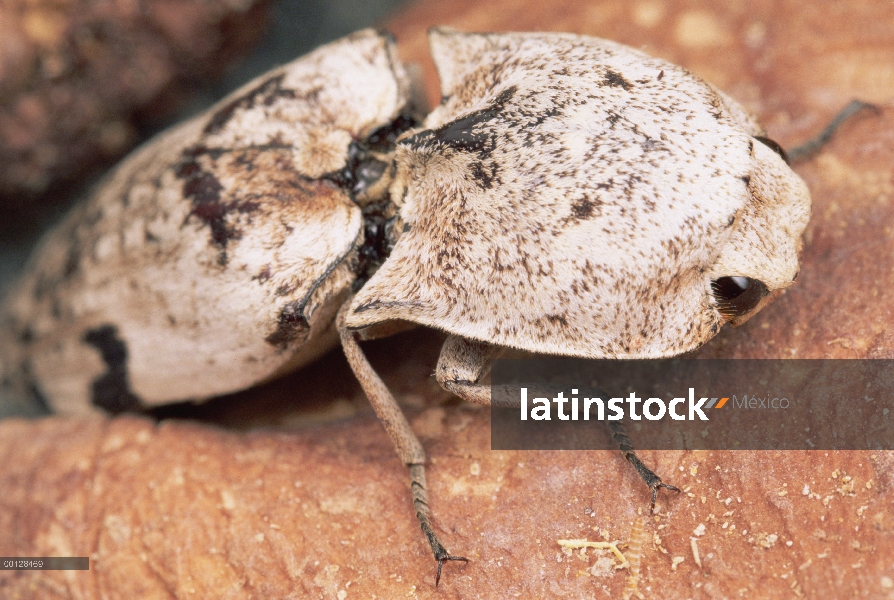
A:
(464, 363)
(407, 445)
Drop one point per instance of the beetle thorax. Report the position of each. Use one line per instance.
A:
(367, 176)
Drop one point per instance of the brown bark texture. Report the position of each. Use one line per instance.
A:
(78, 78)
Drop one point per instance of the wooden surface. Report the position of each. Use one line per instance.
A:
(315, 504)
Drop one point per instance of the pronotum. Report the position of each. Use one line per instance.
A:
(568, 196)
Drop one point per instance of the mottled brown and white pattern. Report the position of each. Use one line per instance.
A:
(574, 196)
(217, 255)
(569, 196)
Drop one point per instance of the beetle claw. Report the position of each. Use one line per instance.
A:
(442, 557)
(655, 487)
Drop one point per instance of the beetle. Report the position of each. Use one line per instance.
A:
(569, 196)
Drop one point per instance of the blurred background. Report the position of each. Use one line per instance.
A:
(82, 83)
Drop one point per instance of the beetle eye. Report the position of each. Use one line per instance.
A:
(772, 145)
(737, 296)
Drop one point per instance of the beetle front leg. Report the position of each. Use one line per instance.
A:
(407, 445)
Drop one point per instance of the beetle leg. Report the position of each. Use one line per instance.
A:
(810, 147)
(462, 365)
(652, 480)
(407, 445)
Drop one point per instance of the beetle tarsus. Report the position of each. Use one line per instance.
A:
(648, 475)
(420, 503)
(442, 557)
(655, 487)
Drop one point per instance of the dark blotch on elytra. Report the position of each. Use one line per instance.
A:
(290, 325)
(485, 175)
(26, 336)
(72, 260)
(111, 390)
(583, 208)
(462, 134)
(615, 79)
(268, 91)
(204, 190)
(467, 133)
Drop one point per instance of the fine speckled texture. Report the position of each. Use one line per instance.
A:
(574, 196)
(570, 195)
(216, 255)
